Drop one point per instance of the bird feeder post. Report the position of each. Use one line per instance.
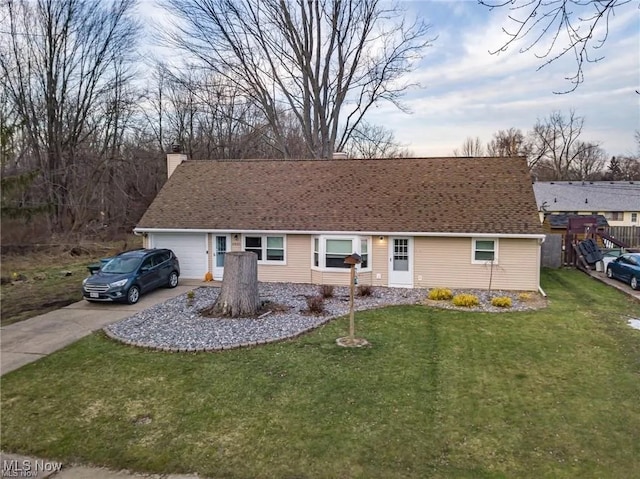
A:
(352, 320)
(352, 260)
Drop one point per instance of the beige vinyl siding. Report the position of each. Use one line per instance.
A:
(446, 262)
(337, 278)
(146, 243)
(236, 243)
(298, 259)
(380, 261)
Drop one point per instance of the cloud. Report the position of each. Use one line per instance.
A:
(468, 92)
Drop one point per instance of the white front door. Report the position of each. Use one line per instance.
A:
(401, 262)
(221, 246)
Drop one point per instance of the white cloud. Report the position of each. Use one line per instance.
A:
(471, 93)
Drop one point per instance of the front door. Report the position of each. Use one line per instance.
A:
(400, 262)
(221, 247)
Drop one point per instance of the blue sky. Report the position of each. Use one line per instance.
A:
(464, 91)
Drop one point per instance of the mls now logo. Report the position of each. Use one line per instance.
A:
(28, 467)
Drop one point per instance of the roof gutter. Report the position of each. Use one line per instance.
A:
(540, 237)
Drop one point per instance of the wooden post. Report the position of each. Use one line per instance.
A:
(352, 322)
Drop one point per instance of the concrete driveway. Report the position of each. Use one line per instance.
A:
(27, 341)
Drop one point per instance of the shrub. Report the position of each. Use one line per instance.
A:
(191, 294)
(525, 297)
(326, 291)
(315, 304)
(501, 301)
(365, 290)
(466, 300)
(440, 294)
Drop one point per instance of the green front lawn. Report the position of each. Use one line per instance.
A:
(442, 394)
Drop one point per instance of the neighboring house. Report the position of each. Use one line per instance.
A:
(416, 222)
(617, 201)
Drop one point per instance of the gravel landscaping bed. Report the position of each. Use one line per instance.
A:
(177, 325)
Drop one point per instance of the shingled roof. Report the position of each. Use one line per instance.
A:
(450, 195)
(587, 195)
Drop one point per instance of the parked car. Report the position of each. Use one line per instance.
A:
(626, 268)
(132, 273)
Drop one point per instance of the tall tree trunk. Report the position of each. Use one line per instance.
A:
(239, 293)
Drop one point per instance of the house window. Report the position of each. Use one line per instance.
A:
(330, 251)
(634, 217)
(254, 244)
(270, 249)
(614, 215)
(484, 251)
(364, 253)
(335, 252)
(316, 251)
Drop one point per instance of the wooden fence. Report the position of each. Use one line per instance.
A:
(627, 234)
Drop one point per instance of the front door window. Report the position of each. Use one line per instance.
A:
(221, 249)
(401, 254)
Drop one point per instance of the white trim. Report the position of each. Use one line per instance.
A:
(342, 233)
(322, 252)
(496, 258)
(214, 255)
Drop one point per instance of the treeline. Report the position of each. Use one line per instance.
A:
(85, 122)
(556, 151)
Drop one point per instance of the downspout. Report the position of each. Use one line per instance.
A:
(544, 295)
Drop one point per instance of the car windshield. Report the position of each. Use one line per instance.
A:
(121, 265)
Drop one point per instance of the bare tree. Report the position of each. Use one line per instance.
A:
(575, 28)
(59, 62)
(470, 147)
(623, 168)
(374, 141)
(511, 142)
(588, 163)
(556, 146)
(324, 62)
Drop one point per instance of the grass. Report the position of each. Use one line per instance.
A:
(551, 393)
(47, 286)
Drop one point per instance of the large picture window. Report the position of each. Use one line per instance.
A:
(484, 250)
(329, 252)
(270, 249)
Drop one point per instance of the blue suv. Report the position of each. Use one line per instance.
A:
(132, 273)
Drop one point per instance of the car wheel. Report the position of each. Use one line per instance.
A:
(173, 279)
(133, 295)
(609, 273)
(634, 282)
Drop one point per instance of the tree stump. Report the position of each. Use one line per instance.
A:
(239, 292)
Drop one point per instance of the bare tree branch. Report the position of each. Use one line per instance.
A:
(573, 28)
(324, 62)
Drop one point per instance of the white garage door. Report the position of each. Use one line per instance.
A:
(190, 248)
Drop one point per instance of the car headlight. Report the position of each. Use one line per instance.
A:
(115, 284)
(84, 281)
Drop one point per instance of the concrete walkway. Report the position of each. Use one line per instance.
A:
(27, 341)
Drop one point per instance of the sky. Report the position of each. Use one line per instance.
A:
(464, 91)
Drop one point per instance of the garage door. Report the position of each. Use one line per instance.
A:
(190, 248)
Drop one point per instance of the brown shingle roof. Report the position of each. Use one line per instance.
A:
(457, 195)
